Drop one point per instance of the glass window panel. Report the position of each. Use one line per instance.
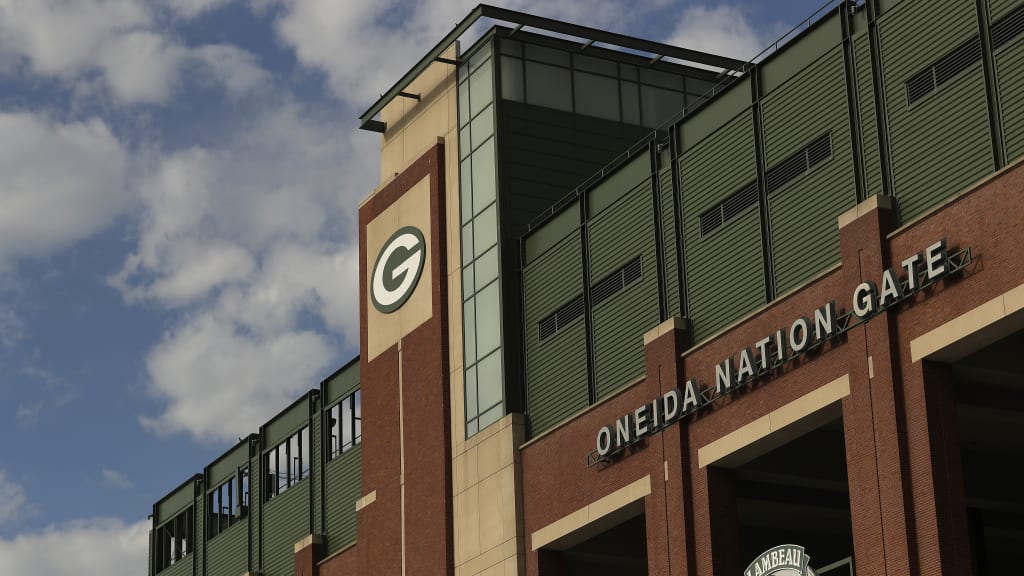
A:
(487, 267)
(468, 286)
(472, 408)
(596, 95)
(491, 416)
(469, 331)
(485, 230)
(630, 103)
(484, 176)
(244, 500)
(346, 424)
(488, 319)
(548, 86)
(545, 54)
(471, 428)
(482, 126)
(698, 87)
(480, 88)
(305, 443)
(358, 402)
(465, 146)
(479, 57)
(662, 79)
(627, 71)
(463, 72)
(467, 243)
(596, 65)
(463, 103)
(512, 79)
(466, 191)
(489, 381)
(658, 104)
(513, 47)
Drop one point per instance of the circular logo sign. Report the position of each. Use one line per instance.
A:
(397, 269)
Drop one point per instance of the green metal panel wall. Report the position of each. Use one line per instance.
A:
(1009, 60)
(256, 508)
(173, 503)
(941, 144)
(285, 522)
(668, 233)
(999, 8)
(556, 369)
(803, 212)
(622, 232)
(865, 94)
(316, 462)
(227, 552)
(181, 568)
(724, 271)
(344, 487)
(200, 532)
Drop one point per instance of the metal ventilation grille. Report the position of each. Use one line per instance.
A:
(1008, 27)
(616, 281)
(801, 162)
(560, 318)
(945, 69)
(719, 214)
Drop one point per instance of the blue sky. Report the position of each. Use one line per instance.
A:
(178, 192)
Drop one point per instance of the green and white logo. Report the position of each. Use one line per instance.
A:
(785, 560)
(397, 269)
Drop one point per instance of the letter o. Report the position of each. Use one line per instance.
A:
(604, 440)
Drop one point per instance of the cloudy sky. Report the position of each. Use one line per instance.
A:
(178, 192)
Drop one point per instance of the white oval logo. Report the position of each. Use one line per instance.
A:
(397, 269)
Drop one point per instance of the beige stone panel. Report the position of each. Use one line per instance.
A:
(972, 330)
(308, 541)
(478, 564)
(412, 209)
(366, 500)
(490, 455)
(673, 323)
(873, 203)
(490, 512)
(778, 427)
(594, 512)
(509, 524)
(469, 519)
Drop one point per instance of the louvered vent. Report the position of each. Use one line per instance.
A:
(1008, 27)
(942, 71)
(561, 318)
(602, 290)
(801, 162)
(719, 214)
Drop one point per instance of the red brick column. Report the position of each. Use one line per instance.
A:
(668, 512)
(308, 553)
(872, 412)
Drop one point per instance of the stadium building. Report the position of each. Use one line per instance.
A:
(632, 309)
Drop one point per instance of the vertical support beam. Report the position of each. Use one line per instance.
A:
(677, 205)
(995, 119)
(588, 311)
(762, 186)
(724, 516)
(880, 102)
(873, 418)
(850, 68)
(654, 149)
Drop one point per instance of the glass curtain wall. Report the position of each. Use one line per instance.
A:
(481, 291)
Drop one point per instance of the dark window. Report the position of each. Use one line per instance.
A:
(228, 503)
(174, 540)
(345, 425)
(287, 463)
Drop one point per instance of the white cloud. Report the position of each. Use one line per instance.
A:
(722, 29)
(141, 66)
(12, 327)
(237, 70)
(59, 183)
(189, 9)
(113, 479)
(94, 546)
(222, 383)
(14, 505)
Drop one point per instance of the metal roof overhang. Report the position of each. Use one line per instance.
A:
(366, 119)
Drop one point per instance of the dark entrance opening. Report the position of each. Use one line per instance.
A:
(620, 550)
(798, 494)
(989, 392)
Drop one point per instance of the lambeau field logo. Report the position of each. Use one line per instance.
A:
(785, 560)
(397, 269)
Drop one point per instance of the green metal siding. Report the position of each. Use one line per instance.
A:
(286, 423)
(999, 8)
(342, 383)
(344, 487)
(941, 144)
(1010, 76)
(616, 236)
(285, 522)
(175, 502)
(182, 567)
(227, 552)
(316, 461)
(200, 532)
(865, 93)
(668, 234)
(556, 369)
(724, 271)
(805, 239)
(256, 508)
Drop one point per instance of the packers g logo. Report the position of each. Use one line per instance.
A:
(397, 269)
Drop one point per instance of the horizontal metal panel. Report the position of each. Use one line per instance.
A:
(1010, 75)
(182, 567)
(344, 486)
(285, 522)
(342, 383)
(669, 241)
(999, 8)
(228, 552)
(227, 465)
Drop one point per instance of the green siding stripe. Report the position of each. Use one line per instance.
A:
(999, 8)
(286, 521)
(181, 568)
(1010, 74)
(344, 487)
(668, 229)
(556, 369)
(867, 115)
(227, 553)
